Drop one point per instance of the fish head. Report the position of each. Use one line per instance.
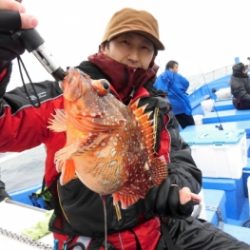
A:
(77, 84)
(90, 103)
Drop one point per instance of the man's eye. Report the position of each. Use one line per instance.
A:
(124, 42)
(147, 48)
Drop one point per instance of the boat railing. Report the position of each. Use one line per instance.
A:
(197, 81)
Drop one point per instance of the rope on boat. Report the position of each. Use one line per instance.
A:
(25, 239)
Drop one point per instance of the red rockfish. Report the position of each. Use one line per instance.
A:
(109, 146)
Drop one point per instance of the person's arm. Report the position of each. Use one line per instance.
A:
(23, 126)
(17, 118)
(161, 84)
(181, 84)
(14, 16)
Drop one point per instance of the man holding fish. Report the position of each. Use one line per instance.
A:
(112, 144)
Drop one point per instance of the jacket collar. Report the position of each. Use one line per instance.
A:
(124, 80)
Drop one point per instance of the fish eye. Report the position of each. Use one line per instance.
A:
(105, 84)
(102, 86)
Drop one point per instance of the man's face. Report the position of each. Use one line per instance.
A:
(131, 49)
(175, 68)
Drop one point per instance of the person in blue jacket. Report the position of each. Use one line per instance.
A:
(175, 85)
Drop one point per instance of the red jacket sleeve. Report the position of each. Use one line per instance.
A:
(23, 126)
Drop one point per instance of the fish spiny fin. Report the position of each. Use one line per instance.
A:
(138, 111)
(146, 125)
(68, 172)
(126, 200)
(158, 170)
(134, 105)
(147, 129)
(145, 117)
(140, 115)
(58, 122)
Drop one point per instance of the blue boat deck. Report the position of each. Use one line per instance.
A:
(223, 105)
(226, 199)
(226, 116)
(215, 212)
(232, 125)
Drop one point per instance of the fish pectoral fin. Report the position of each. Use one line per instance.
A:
(64, 154)
(68, 172)
(126, 200)
(58, 122)
(67, 152)
(158, 170)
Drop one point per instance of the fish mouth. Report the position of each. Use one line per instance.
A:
(91, 142)
(91, 115)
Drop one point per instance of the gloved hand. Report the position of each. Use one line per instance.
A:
(10, 44)
(164, 201)
(175, 207)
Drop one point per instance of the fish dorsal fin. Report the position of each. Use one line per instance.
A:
(146, 125)
(156, 165)
(58, 121)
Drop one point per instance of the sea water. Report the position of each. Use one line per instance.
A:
(22, 170)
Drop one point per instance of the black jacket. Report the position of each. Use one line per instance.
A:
(240, 89)
(77, 200)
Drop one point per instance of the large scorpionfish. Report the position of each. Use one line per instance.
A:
(109, 146)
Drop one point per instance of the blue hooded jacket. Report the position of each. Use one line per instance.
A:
(175, 85)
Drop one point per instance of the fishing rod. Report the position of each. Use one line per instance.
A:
(35, 44)
(219, 127)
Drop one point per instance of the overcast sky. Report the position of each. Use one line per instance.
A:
(202, 35)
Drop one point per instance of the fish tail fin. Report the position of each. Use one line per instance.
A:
(126, 200)
(158, 170)
(68, 172)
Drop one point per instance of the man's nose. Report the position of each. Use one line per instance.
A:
(133, 55)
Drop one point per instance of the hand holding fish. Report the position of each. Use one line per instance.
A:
(109, 145)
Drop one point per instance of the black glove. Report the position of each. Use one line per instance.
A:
(164, 201)
(173, 205)
(10, 43)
